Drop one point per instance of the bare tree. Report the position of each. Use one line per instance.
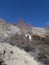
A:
(28, 27)
(47, 32)
(20, 23)
(47, 29)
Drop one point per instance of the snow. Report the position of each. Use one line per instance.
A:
(19, 57)
(7, 30)
(37, 30)
(28, 35)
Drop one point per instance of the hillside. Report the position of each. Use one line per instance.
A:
(14, 56)
(32, 43)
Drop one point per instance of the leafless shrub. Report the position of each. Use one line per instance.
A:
(47, 33)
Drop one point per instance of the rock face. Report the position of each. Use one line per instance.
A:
(11, 55)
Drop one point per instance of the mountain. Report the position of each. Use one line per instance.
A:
(7, 30)
(29, 45)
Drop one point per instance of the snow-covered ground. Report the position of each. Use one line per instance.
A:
(7, 30)
(11, 55)
(36, 30)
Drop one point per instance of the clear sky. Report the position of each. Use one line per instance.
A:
(34, 12)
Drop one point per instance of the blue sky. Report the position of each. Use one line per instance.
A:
(34, 12)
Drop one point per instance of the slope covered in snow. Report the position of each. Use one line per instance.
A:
(15, 38)
(38, 30)
(7, 30)
(11, 55)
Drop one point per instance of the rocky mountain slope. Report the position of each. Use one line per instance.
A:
(7, 30)
(22, 43)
